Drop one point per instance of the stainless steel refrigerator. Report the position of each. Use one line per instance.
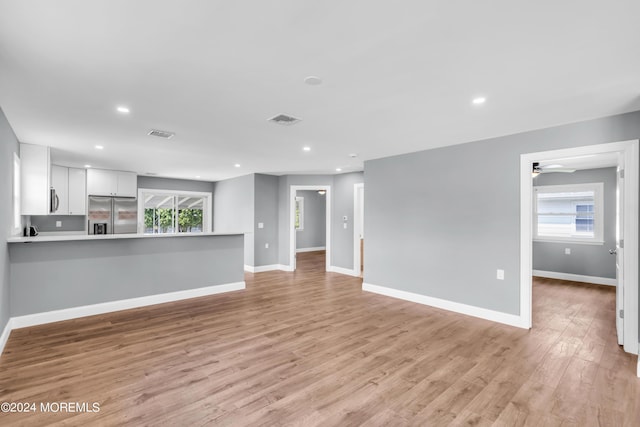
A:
(113, 215)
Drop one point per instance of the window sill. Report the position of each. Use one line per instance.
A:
(572, 242)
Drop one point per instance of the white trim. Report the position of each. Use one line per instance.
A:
(469, 310)
(628, 153)
(356, 226)
(108, 307)
(575, 277)
(347, 271)
(5, 334)
(263, 268)
(317, 248)
(292, 222)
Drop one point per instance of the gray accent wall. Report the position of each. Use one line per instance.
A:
(233, 210)
(8, 146)
(586, 260)
(314, 231)
(266, 212)
(440, 222)
(48, 276)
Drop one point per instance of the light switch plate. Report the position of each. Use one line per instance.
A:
(500, 274)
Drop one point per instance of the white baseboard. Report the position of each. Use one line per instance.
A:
(575, 277)
(107, 307)
(347, 271)
(469, 310)
(318, 248)
(5, 335)
(263, 268)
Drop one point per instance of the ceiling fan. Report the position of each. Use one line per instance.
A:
(537, 169)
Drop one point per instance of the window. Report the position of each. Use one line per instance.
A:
(571, 213)
(299, 213)
(17, 200)
(167, 212)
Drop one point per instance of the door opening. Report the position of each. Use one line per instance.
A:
(294, 209)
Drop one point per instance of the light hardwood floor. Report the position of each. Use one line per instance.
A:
(310, 348)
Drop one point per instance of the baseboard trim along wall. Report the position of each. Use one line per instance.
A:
(469, 310)
(108, 307)
(319, 248)
(263, 268)
(575, 277)
(5, 335)
(347, 271)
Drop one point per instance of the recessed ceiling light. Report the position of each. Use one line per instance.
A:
(99, 147)
(123, 110)
(353, 155)
(479, 100)
(306, 148)
(338, 170)
(237, 165)
(197, 176)
(313, 80)
(87, 166)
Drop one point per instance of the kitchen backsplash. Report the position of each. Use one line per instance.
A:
(47, 223)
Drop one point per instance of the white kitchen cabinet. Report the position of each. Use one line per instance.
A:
(101, 182)
(60, 187)
(35, 174)
(70, 190)
(77, 191)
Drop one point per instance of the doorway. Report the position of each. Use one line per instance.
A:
(358, 229)
(297, 207)
(626, 154)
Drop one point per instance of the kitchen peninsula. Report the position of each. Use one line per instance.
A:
(67, 276)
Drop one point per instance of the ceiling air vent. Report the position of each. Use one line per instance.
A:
(284, 119)
(161, 134)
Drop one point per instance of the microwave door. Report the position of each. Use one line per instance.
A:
(125, 215)
(99, 215)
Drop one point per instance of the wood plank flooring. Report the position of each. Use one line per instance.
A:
(310, 348)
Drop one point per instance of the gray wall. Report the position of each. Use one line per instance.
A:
(587, 260)
(341, 238)
(8, 146)
(266, 212)
(314, 232)
(234, 208)
(439, 222)
(47, 223)
(49, 276)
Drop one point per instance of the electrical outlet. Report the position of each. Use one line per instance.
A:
(500, 274)
(266, 246)
(58, 224)
(345, 225)
(567, 251)
(261, 225)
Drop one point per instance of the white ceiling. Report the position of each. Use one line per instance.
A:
(397, 77)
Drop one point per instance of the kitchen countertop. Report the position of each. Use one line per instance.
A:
(73, 237)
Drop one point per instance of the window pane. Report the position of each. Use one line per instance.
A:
(555, 225)
(565, 202)
(190, 214)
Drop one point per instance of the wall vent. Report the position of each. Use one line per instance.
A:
(284, 119)
(161, 134)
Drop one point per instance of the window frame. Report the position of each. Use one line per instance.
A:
(598, 212)
(207, 208)
(300, 207)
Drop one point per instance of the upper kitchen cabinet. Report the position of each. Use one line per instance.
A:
(69, 191)
(35, 174)
(101, 182)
